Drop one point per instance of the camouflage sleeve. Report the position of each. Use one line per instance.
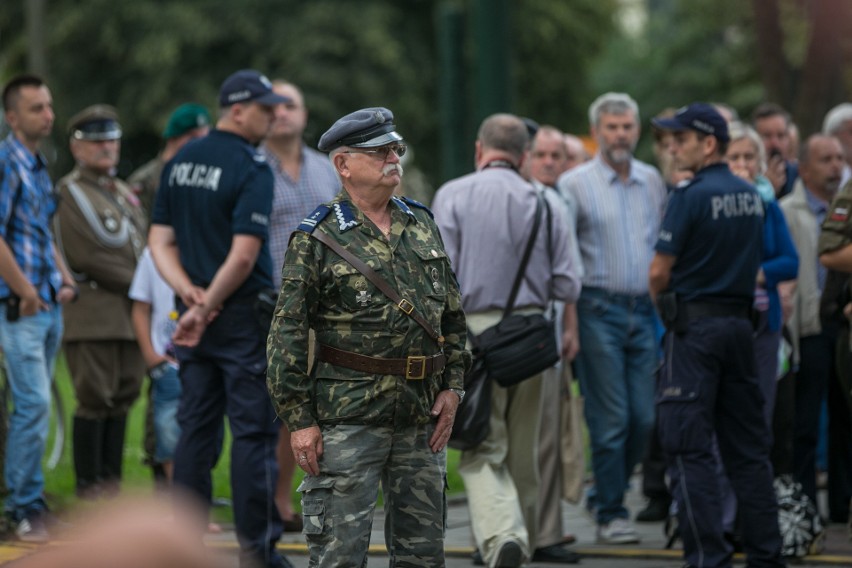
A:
(290, 386)
(837, 228)
(454, 329)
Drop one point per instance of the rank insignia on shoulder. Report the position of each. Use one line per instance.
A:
(840, 214)
(345, 217)
(310, 222)
(404, 202)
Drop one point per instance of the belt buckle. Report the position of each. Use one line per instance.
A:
(405, 306)
(415, 360)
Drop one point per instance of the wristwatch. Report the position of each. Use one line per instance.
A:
(459, 392)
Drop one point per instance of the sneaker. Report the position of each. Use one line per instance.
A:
(617, 531)
(32, 529)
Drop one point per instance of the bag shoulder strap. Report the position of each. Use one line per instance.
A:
(525, 259)
(362, 267)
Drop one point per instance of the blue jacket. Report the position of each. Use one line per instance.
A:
(780, 260)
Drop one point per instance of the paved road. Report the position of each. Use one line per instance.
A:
(648, 554)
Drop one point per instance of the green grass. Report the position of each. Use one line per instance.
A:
(59, 482)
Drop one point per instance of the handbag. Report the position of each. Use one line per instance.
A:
(520, 346)
(572, 445)
(473, 415)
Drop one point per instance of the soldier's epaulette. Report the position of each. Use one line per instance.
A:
(310, 222)
(414, 203)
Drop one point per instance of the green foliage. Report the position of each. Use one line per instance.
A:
(147, 56)
(691, 50)
(555, 46)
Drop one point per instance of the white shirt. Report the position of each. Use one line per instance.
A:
(149, 287)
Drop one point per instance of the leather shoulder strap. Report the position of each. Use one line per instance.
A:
(519, 276)
(362, 267)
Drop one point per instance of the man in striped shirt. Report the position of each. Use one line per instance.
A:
(618, 202)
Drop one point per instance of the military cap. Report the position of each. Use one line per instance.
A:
(700, 117)
(365, 128)
(97, 122)
(248, 85)
(186, 117)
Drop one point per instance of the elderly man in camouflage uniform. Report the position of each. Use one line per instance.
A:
(380, 402)
(100, 228)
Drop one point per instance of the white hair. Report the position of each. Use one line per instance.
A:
(835, 118)
(738, 131)
(612, 103)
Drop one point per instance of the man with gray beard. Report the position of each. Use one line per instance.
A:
(618, 202)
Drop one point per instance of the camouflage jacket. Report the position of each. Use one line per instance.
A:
(323, 292)
(836, 230)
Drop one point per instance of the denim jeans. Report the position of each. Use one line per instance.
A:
(616, 366)
(30, 345)
(165, 399)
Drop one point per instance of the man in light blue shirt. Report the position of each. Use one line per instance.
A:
(618, 202)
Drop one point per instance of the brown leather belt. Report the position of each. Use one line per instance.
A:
(412, 368)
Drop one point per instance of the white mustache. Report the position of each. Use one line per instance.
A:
(391, 167)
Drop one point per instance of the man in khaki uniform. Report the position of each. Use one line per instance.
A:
(100, 229)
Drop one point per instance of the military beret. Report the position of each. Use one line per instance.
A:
(248, 85)
(97, 122)
(365, 128)
(186, 117)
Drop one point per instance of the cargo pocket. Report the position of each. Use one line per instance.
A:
(684, 423)
(316, 502)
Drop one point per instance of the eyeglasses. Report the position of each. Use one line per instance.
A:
(381, 153)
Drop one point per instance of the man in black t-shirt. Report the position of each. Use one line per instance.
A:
(208, 239)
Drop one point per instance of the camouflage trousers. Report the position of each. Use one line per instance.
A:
(338, 504)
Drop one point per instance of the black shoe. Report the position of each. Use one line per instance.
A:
(555, 553)
(671, 531)
(657, 510)
(509, 555)
(476, 558)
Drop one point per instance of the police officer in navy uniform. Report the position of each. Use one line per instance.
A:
(702, 277)
(209, 241)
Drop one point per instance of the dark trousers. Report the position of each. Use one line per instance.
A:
(840, 436)
(226, 375)
(817, 379)
(654, 467)
(709, 389)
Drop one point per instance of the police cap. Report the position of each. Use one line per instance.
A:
(365, 128)
(97, 122)
(186, 117)
(248, 85)
(700, 117)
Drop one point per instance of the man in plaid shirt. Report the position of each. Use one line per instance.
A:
(34, 282)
